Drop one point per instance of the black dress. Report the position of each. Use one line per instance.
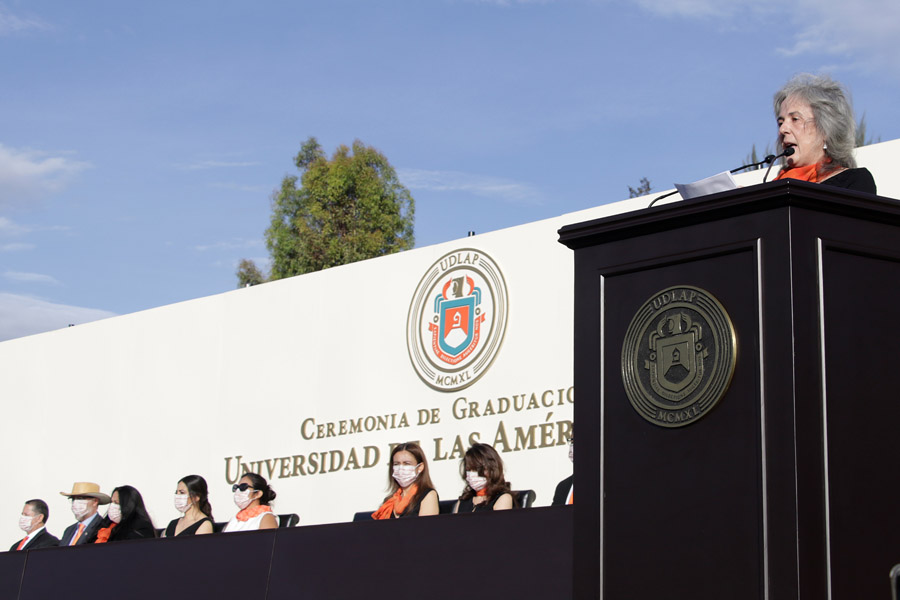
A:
(859, 180)
(468, 506)
(413, 509)
(138, 529)
(189, 530)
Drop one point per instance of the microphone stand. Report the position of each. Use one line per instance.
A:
(768, 160)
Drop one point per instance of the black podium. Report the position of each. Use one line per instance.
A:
(785, 488)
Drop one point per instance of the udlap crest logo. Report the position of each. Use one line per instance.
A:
(678, 356)
(457, 319)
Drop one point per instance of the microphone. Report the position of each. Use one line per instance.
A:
(768, 160)
(787, 152)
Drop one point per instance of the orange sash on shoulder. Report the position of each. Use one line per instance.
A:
(103, 534)
(396, 503)
(253, 511)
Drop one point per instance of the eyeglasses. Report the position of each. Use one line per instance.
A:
(241, 486)
(571, 441)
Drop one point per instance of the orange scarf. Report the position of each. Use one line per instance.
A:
(252, 511)
(808, 173)
(482, 492)
(396, 503)
(103, 534)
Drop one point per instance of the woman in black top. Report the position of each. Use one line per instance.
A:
(486, 487)
(410, 491)
(126, 518)
(192, 500)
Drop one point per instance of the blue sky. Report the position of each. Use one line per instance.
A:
(140, 142)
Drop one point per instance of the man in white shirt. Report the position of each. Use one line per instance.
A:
(85, 497)
(33, 522)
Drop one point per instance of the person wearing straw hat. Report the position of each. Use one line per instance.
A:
(85, 497)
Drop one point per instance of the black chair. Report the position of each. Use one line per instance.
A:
(288, 520)
(525, 498)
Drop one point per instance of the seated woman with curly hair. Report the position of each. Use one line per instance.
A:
(486, 487)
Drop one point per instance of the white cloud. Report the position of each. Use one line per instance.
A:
(7, 227)
(217, 164)
(229, 245)
(255, 189)
(866, 33)
(28, 175)
(10, 23)
(24, 315)
(16, 247)
(866, 28)
(510, 2)
(480, 185)
(694, 8)
(30, 277)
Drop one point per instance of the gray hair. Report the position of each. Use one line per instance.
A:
(832, 112)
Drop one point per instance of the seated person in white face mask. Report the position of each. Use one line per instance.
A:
(410, 491)
(126, 519)
(486, 487)
(192, 501)
(252, 495)
(33, 522)
(85, 497)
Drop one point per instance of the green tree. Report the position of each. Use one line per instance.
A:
(861, 133)
(347, 208)
(753, 157)
(249, 274)
(642, 190)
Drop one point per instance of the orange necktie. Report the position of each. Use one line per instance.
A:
(77, 534)
(22, 543)
(571, 497)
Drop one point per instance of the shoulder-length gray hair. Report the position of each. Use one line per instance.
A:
(833, 115)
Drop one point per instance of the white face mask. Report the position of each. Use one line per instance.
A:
(182, 502)
(80, 508)
(404, 475)
(115, 512)
(475, 481)
(25, 523)
(242, 499)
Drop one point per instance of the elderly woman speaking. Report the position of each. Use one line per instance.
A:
(816, 120)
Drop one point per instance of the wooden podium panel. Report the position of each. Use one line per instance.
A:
(784, 489)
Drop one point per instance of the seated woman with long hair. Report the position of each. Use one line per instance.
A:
(126, 518)
(411, 493)
(486, 487)
(192, 501)
(253, 496)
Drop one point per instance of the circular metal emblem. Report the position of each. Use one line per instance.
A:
(678, 356)
(457, 319)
